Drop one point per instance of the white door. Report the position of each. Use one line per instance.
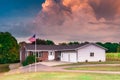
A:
(72, 57)
(65, 57)
(68, 57)
(51, 55)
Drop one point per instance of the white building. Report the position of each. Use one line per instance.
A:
(87, 52)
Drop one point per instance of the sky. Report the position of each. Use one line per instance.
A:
(62, 20)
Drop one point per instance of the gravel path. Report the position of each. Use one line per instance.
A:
(44, 68)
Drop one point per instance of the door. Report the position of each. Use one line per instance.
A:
(68, 57)
(72, 57)
(65, 57)
(51, 55)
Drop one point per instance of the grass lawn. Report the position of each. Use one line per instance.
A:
(86, 63)
(60, 76)
(97, 68)
(4, 68)
(113, 56)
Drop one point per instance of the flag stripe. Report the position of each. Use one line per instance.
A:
(32, 39)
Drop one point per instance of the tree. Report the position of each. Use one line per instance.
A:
(9, 49)
(63, 43)
(112, 47)
(100, 43)
(118, 48)
(49, 42)
(44, 42)
(73, 43)
(40, 42)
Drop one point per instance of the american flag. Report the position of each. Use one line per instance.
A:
(32, 39)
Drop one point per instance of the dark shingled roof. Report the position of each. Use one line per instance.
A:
(58, 47)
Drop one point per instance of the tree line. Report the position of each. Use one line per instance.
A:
(9, 48)
(112, 47)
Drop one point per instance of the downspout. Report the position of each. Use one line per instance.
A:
(76, 55)
(69, 57)
(20, 55)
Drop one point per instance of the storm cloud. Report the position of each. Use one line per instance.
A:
(109, 9)
(69, 20)
(79, 20)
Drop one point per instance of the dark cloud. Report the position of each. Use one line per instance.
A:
(72, 20)
(107, 23)
(19, 28)
(91, 20)
(107, 9)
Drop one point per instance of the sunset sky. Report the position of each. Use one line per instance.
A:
(62, 20)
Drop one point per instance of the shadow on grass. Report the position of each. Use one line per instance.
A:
(86, 63)
(4, 68)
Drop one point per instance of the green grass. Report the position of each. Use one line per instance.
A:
(113, 56)
(97, 68)
(60, 76)
(87, 63)
(4, 68)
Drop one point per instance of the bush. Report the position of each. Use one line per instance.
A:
(29, 60)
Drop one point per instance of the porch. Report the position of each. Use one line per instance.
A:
(45, 55)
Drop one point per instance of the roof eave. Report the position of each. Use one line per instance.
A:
(51, 50)
(92, 44)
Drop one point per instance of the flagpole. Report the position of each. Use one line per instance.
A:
(33, 39)
(35, 56)
(30, 67)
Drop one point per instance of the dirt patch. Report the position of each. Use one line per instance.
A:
(14, 66)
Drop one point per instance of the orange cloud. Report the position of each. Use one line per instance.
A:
(92, 20)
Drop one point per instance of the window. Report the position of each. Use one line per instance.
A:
(92, 54)
(51, 53)
(40, 54)
(31, 53)
(62, 55)
(37, 55)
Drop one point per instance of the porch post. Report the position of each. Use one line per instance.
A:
(76, 56)
(20, 56)
(27, 54)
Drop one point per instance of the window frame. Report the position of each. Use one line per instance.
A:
(40, 54)
(92, 54)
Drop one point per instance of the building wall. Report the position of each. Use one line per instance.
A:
(51, 55)
(69, 56)
(22, 54)
(57, 55)
(84, 54)
(81, 55)
(44, 56)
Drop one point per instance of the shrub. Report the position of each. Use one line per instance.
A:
(29, 60)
